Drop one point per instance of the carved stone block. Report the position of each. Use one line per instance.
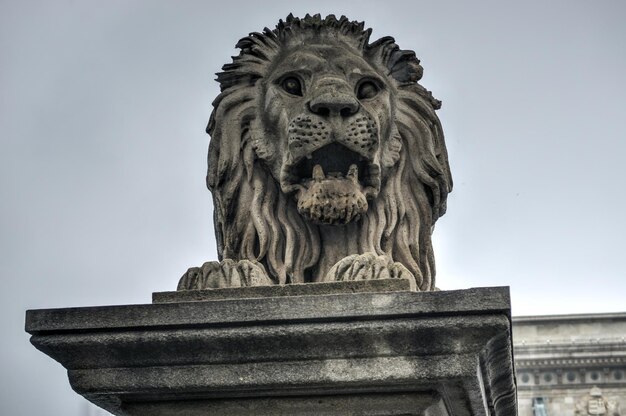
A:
(366, 353)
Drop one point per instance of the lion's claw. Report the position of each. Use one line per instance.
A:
(369, 266)
(227, 273)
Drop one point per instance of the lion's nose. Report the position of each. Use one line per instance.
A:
(334, 103)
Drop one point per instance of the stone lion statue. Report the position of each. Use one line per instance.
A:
(327, 161)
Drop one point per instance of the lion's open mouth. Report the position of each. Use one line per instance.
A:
(334, 161)
(332, 184)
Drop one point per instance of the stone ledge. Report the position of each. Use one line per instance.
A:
(493, 300)
(449, 351)
(304, 289)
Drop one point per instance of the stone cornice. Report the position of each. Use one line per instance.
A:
(521, 320)
(571, 350)
(570, 362)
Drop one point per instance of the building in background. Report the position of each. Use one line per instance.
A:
(571, 364)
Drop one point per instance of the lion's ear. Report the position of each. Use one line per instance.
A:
(403, 66)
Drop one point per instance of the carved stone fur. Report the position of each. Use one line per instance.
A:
(326, 161)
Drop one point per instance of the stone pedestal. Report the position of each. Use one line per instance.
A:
(356, 348)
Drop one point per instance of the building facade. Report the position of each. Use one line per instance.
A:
(571, 364)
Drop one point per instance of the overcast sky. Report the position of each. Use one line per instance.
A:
(103, 107)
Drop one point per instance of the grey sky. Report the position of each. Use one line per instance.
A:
(102, 113)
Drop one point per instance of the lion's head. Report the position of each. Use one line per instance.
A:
(324, 145)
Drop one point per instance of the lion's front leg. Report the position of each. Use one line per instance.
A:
(369, 266)
(227, 273)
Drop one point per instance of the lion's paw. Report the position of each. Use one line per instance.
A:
(227, 273)
(369, 266)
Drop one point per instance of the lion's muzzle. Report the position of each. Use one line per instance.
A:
(331, 154)
(331, 165)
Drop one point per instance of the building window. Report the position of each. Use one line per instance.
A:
(539, 407)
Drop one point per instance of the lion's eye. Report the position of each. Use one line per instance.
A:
(292, 86)
(366, 90)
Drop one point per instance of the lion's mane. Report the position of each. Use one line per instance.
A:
(255, 220)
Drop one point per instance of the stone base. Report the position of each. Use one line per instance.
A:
(358, 353)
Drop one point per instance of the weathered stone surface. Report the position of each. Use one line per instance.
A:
(323, 288)
(326, 162)
(396, 404)
(446, 353)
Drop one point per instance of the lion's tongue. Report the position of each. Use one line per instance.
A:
(330, 199)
